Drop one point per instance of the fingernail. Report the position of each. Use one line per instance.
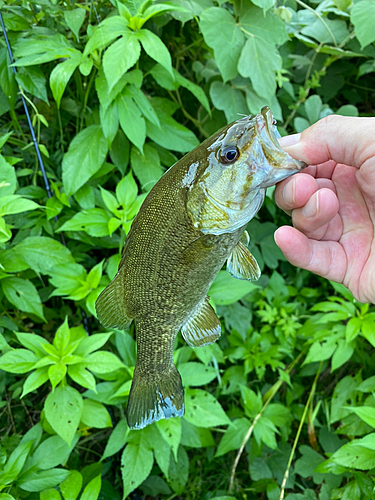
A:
(289, 192)
(289, 140)
(311, 209)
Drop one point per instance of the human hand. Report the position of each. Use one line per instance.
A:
(332, 203)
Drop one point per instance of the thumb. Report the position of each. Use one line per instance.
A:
(347, 140)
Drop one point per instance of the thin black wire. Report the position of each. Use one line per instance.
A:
(36, 145)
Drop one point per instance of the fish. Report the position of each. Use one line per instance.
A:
(191, 222)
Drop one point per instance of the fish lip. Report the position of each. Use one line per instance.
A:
(267, 115)
(270, 127)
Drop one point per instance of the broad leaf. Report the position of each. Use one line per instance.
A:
(23, 294)
(259, 60)
(203, 409)
(61, 75)
(120, 57)
(63, 409)
(227, 47)
(87, 150)
(137, 460)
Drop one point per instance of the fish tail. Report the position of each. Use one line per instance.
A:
(154, 396)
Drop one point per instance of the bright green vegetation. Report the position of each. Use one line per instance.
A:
(118, 92)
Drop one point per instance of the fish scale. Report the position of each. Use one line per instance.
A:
(190, 223)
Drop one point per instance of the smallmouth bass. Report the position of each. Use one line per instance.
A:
(191, 222)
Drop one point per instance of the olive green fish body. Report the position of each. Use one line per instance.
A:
(191, 222)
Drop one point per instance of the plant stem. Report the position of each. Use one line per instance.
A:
(311, 395)
(268, 398)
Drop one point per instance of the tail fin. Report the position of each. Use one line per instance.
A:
(154, 396)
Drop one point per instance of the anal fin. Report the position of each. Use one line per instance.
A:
(241, 263)
(203, 327)
(110, 306)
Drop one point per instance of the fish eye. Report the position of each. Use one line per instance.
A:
(229, 155)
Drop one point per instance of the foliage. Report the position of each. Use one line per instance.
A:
(118, 91)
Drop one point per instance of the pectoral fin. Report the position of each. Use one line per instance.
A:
(241, 263)
(203, 327)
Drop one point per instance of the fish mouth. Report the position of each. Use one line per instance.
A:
(269, 135)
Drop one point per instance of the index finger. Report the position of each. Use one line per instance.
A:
(347, 140)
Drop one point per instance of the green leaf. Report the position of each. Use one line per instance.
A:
(8, 179)
(82, 376)
(226, 289)
(103, 362)
(264, 4)
(117, 439)
(61, 75)
(131, 121)
(37, 481)
(93, 221)
(195, 437)
(172, 135)
(74, 19)
(50, 494)
(320, 351)
(88, 149)
(32, 342)
(15, 204)
(358, 454)
(365, 413)
(306, 465)
(107, 31)
(127, 189)
(227, 47)
(34, 380)
(203, 409)
(109, 121)
(234, 436)
(62, 337)
(265, 431)
(23, 294)
(15, 463)
(93, 278)
(109, 200)
(120, 57)
(342, 354)
(94, 414)
(268, 27)
(56, 373)
(228, 99)
(179, 471)
(155, 48)
(143, 104)
(353, 328)
(255, 103)
(258, 61)
(171, 433)
(42, 253)
(195, 374)
(136, 464)
(362, 15)
(368, 330)
(70, 280)
(146, 167)
(63, 410)
(71, 486)
(33, 80)
(313, 107)
(92, 490)
(50, 453)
